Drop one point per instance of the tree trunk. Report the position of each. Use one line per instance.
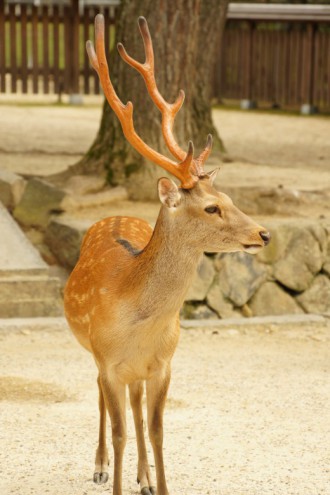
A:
(186, 36)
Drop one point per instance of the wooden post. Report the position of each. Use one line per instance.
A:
(13, 48)
(308, 107)
(247, 102)
(67, 50)
(35, 66)
(2, 48)
(58, 83)
(24, 60)
(248, 63)
(86, 59)
(45, 41)
(75, 98)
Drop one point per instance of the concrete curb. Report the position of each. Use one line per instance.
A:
(27, 325)
(277, 321)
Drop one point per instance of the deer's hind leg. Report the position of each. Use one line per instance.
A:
(101, 474)
(143, 474)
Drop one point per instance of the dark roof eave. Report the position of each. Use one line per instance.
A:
(279, 12)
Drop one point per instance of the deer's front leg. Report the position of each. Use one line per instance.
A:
(114, 396)
(143, 475)
(101, 474)
(157, 388)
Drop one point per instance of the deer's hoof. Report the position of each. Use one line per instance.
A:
(148, 491)
(100, 478)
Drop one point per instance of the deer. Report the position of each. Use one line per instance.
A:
(123, 298)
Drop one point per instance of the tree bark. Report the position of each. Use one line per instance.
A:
(186, 36)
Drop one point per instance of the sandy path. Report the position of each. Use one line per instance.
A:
(248, 414)
(43, 140)
(277, 140)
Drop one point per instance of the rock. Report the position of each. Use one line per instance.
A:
(197, 312)
(246, 311)
(39, 200)
(62, 274)
(264, 200)
(17, 255)
(303, 254)
(326, 266)
(84, 184)
(277, 200)
(273, 252)
(11, 188)
(36, 237)
(25, 296)
(26, 287)
(271, 299)
(202, 281)
(75, 202)
(64, 239)
(240, 276)
(219, 303)
(316, 299)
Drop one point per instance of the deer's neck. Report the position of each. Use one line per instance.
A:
(165, 269)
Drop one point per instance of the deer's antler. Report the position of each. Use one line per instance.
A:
(189, 169)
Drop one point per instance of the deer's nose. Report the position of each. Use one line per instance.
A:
(265, 236)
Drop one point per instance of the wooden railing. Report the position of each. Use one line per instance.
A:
(42, 49)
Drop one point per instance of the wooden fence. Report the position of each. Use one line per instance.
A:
(42, 49)
(275, 54)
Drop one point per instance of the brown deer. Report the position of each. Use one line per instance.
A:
(123, 298)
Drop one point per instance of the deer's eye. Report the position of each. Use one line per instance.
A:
(213, 209)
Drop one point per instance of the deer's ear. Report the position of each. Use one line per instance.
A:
(213, 175)
(168, 193)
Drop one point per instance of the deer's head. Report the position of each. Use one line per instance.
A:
(209, 217)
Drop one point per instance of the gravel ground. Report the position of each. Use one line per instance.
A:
(247, 414)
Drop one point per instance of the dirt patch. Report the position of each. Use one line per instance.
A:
(18, 389)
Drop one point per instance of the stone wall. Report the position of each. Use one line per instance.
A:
(291, 275)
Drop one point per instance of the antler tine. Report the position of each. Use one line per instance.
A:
(148, 49)
(147, 41)
(92, 55)
(187, 165)
(168, 110)
(201, 159)
(125, 112)
(99, 63)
